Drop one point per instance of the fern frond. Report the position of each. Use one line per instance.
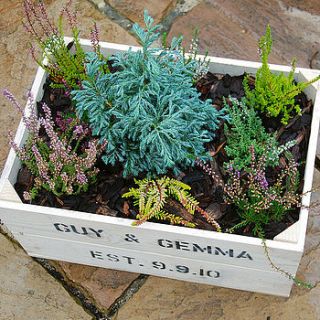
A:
(151, 196)
(173, 219)
(208, 218)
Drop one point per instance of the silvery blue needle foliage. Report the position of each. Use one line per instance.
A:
(148, 111)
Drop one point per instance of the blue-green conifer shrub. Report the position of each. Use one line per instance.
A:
(149, 112)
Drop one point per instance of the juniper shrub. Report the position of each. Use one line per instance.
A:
(149, 111)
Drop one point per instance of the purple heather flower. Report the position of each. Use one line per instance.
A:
(81, 178)
(41, 164)
(95, 38)
(60, 122)
(78, 130)
(71, 16)
(261, 179)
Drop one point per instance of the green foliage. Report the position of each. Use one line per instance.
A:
(149, 111)
(257, 201)
(151, 196)
(64, 66)
(61, 161)
(245, 129)
(274, 94)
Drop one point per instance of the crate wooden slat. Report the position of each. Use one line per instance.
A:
(150, 237)
(192, 270)
(241, 260)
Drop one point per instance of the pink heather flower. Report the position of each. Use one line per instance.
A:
(31, 122)
(41, 164)
(95, 38)
(261, 179)
(78, 130)
(272, 197)
(33, 52)
(45, 18)
(81, 178)
(21, 152)
(55, 142)
(69, 189)
(72, 17)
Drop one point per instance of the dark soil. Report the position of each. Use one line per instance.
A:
(105, 196)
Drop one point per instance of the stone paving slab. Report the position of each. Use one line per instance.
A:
(231, 28)
(133, 9)
(27, 291)
(104, 286)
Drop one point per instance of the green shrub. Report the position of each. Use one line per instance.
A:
(65, 67)
(256, 200)
(148, 111)
(243, 130)
(274, 94)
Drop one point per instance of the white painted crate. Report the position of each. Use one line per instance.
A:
(194, 255)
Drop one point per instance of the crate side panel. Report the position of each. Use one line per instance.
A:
(159, 265)
(8, 192)
(309, 169)
(291, 234)
(128, 237)
(216, 64)
(12, 164)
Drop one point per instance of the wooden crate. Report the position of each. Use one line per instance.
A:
(219, 259)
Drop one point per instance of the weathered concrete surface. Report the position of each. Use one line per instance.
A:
(27, 291)
(232, 28)
(133, 9)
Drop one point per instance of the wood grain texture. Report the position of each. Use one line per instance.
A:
(175, 242)
(264, 281)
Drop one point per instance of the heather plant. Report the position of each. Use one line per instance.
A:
(202, 66)
(151, 196)
(256, 200)
(191, 54)
(65, 67)
(63, 163)
(274, 94)
(259, 203)
(148, 111)
(245, 129)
